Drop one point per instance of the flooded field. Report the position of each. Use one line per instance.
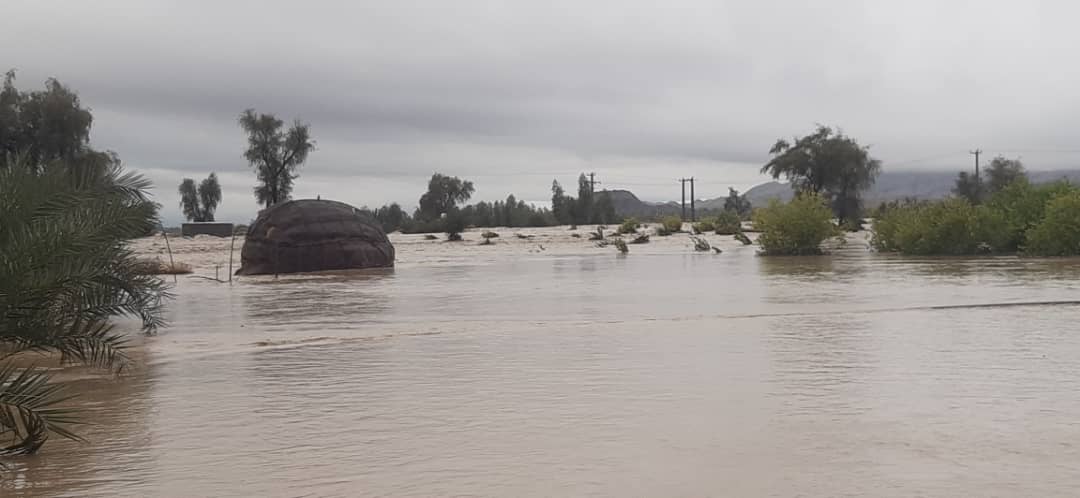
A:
(545, 366)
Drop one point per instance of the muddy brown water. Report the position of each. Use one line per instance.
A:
(571, 371)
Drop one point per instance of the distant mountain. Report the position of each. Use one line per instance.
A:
(628, 204)
(890, 186)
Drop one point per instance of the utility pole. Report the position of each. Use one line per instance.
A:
(978, 181)
(693, 213)
(976, 153)
(683, 182)
(592, 183)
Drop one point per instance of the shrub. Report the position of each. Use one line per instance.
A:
(796, 228)
(630, 225)
(704, 226)
(672, 224)
(1023, 205)
(949, 227)
(1058, 233)
(620, 244)
(728, 223)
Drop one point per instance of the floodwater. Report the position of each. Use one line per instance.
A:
(549, 367)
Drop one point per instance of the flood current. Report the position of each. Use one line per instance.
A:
(549, 367)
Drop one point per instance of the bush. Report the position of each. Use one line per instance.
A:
(672, 224)
(949, 227)
(728, 223)
(796, 228)
(1023, 205)
(1058, 233)
(704, 226)
(630, 225)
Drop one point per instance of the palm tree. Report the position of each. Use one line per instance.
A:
(65, 271)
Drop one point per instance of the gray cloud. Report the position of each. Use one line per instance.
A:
(512, 95)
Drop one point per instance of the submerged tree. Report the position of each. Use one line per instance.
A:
(199, 203)
(827, 163)
(275, 154)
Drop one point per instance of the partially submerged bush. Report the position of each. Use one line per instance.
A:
(796, 228)
(741, 237)
(620, 244)
(642, 238)
(158, 267)
(672, 224)
(1058, 234)
(950, 227)
(703, 227)
(1023, 205)
(630, 225)
(728, 223)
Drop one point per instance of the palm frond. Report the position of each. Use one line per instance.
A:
(29, 410)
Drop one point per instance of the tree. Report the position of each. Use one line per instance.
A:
(1003, 172)
(737, 204)
(827, 163)
(561, 204)
(584, 210)
(444, 193)
(65, 272)
(199, 203)
(391, 217)
(43, 126)
(275, 154)
(968, 187)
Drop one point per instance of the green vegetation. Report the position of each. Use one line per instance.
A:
(950, 227)
(65, 269)
(199, 203)
(728, 223)
(703, 226)
(831, 165)
(1001, 173)
(796, 228)
(1058, 233)
(275, 154)
(630, 225)
(671, 224)
(588, 207)
(1017, 217)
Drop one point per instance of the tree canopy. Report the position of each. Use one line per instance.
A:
(199, 203)
(828, 163)
(276, 154)
(444, 193)
(45, 125)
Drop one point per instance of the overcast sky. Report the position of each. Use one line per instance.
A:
(514, 94)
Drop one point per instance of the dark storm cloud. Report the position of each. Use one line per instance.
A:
(514, 94)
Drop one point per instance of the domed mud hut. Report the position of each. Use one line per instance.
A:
(313, 235)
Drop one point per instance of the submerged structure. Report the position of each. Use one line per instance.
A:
(313, 235)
